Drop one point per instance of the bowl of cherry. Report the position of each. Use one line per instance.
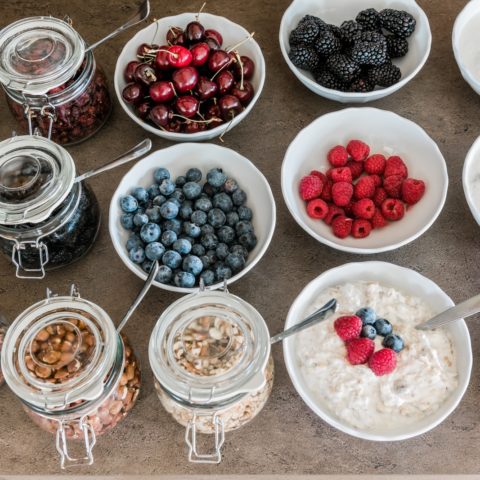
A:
(190, 77)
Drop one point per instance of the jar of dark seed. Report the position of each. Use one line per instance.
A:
(75, 375)
(47, 220)
(50, 82)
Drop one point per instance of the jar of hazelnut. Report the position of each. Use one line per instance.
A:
(75, 375)
(51, 82)
(210, 354)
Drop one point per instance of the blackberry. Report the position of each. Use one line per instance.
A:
(327, 43)
(398, 22)
(303, 57)
(362, 85)
(373, 37)
(329, 80)
(385, 75)
(350, 31)
(312, 18)
(369, 53)
(337, 31)
(343, 67)
(396, 47)
(369, 19)
(304, 34)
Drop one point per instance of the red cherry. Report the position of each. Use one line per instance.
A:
(206, 88)
(145, 74)
(173, 34)
(225, 81)
(175, 126)
(212, 43)
(195, 32)
(180, 56)
(200, 52)
(143, 109)
(194, 127)
(130, 70)
(187, 106)
(248, 68)
(215, 34)
(213, 114)
(161, 115)
(244, 94)
(218, 59)
(229, 106)
(162, 60)
(185, 79)
(146, 49)
(132, 93)
(162, 92)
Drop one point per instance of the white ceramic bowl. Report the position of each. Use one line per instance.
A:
(335, 12)
(386, 133)
(178, 159)
(408, 282)
(232, 34)
(471, 179)
(466, 43)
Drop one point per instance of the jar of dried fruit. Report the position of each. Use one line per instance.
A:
(47, 220)
(3, 331)
(76, 376)
(51, 82)
(210, 354)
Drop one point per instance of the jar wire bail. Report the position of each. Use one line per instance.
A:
(191, 441)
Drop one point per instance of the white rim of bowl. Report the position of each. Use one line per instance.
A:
(224, 128)
(465, 178)
(330, 419)
(140, 273)
(352, 95)
(344, 248)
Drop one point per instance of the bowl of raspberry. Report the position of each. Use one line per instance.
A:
(364, 180)
(355, 50)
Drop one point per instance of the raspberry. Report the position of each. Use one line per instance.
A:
(348, 327)
(379, 196)
(412, 190)
(342, 193)
(356, 168)
(395, 166)
(327, 191)
(333, 211)
(393, 186)
(317, 208)
(361, 228)
(383, 362)
(320, 175)
(393, 209)
(310, 187)
(338, 156)
(364, 208)
(348, 209)
(364, 188)
(375, 164)
(378, 220)
(358, 150)
(342, 226)
(377, 180)
(359, 350)
(342, 174)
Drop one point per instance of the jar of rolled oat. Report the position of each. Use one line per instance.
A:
(75, 375)
(3, 331)
(210, 354)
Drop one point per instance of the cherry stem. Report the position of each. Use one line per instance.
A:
(221, 69)
(227, 128)
(152, 52)
(156, 30)
(173, 88)
(200, 11)
(241, 69)
(231, 49)
(210, 120)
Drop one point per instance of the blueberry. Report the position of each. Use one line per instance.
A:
(154, 214)
(198, 249)
(239, 250)
(133, 242)
(180, 181)
(248, 240)
(172, 259)
(192, 264)
(169, 210)
(216, 217)
(150, 232)
(222, 272)
(199, 217)
(209, 241)
(212, 256)
(128, 204)
(395, 342)
(205, 261)
(244, 213)
(230, 185)
(137, 255)
(176, 201)
(173, 224)
(192, 190)
(168, 237)
(182, 246)
(154, 251)
(147, 266)
(184, 280)
(235, 262)
(186, 210)
(184, 236)
(179, 195)
(367, 315)
(203, 203)
(368, 331)
(207, 228)
(164, 274)
(208, 277)
(191, 229)
(226, 234)
(140, 219)
(222, 251)
(209, 190)
(243, 227)
(159, 200)
(216, 177)
(126, 221)
(140, 194)
(153, 190)
(383, 327)
(161, 174)
(167, 187)
(239, 197)
(223, 202)
(194, 175)
(232, 219)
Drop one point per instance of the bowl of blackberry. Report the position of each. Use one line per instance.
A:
(204, 212)
(355, 51)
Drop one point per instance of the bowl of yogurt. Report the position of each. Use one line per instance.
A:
(432, 372)
(471, 179)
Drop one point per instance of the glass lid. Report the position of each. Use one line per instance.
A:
(38, 54)
(208, 347)
(36, 176)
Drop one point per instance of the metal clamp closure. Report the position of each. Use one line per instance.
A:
(191, 440)
(46, 110)
(30, 273)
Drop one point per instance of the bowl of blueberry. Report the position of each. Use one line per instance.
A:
(190, 77)
(204, 212)
(355, 51)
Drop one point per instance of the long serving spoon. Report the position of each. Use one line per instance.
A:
(142, 13)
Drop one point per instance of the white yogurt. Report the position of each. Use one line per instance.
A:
(426, 372)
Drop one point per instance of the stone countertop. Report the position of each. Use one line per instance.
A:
(286, 437)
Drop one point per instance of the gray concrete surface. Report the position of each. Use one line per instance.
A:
(287, 437)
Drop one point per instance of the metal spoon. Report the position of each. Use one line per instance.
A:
(142, 13)
(137, 151)
(143, 292)
(316, 317)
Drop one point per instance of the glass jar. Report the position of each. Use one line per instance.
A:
(50, 82)
(75, 375)
(210, 354)
(3, 331)
(47, 220)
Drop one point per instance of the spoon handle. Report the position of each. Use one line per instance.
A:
(316, 317)
(137, 151)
